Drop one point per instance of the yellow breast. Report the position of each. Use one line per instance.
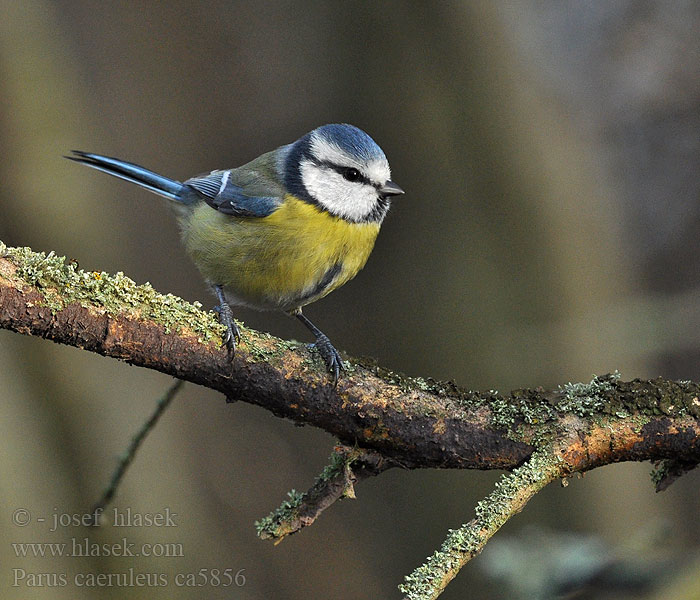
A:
(296, 255)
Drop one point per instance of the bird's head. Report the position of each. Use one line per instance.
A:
(343, 171)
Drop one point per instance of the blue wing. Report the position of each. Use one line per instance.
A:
(220, 192)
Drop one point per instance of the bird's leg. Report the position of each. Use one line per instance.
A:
(328, 353)
(233, 334)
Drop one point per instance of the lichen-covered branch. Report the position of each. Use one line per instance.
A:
(509, 497)
(413, 422)
(565, 452)
(347, 466)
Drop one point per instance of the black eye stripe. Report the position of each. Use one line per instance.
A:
(342, 170)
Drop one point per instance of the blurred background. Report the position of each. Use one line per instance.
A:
(549, 151)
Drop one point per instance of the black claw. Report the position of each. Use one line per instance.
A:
(233, 334)
(328, 353)
(330, 356)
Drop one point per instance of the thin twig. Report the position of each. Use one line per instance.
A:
(347, 466)
(128, 456)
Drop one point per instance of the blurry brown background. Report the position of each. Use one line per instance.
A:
(549, 152)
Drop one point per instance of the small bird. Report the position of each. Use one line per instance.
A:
(283, 230)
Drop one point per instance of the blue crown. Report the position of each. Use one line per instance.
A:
(352, 140)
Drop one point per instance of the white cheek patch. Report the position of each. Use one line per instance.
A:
(352, 200)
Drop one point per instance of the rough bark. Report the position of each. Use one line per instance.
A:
(412, 422)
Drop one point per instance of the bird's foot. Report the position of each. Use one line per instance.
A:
(233, 334)
(330, 356)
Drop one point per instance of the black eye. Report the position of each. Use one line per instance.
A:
(351, 174)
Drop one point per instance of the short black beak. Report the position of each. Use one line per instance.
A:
(390, 189)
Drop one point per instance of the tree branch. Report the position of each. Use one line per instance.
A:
(407, 422)
(412, 421)
(347, 467)
(512, 492)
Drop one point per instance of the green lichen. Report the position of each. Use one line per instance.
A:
(511, 492)
(607, 396)
(403, 382)
(264, 347)
(523, 406)
(61, 283)
(523, 416)
(584, 399)
(660, 472)
(339, 462)
(532, 416)
(408, 384)
(274, 524)
(269, 526)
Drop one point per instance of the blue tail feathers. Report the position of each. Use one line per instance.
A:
(163, 186)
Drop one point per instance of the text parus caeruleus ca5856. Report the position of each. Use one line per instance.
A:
(282, 230)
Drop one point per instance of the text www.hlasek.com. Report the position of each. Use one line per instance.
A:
(85, 547)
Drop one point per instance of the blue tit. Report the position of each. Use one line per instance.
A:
(283, 230)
